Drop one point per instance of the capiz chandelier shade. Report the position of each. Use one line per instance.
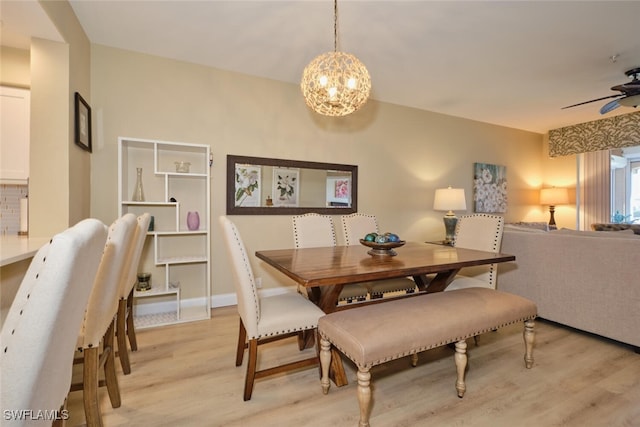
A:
(335, 83)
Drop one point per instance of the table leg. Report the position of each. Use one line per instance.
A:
(314, 295)
(336, 372)
(422, 282)
(441, 281)
(329, 298)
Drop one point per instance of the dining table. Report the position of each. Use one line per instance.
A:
(325, 270)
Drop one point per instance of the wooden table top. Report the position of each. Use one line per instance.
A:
(337, 265)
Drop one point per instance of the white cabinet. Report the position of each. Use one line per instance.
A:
(177, 257)
(14, 138)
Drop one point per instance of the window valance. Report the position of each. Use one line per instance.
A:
(614, 132)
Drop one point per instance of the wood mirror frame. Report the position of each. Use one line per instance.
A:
(232, 209)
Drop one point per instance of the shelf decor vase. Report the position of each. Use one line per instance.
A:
(144, 282)
(193, 221)
(138, 192)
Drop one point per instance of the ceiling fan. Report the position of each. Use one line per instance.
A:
(629, 95)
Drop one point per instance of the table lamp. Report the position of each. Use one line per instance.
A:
(553, 196)
(450, 199)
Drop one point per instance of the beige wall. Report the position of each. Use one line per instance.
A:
(403, 154)
(49, 150)
(78, 172)
(14, 67)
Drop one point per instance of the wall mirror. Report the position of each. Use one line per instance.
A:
(265, 186)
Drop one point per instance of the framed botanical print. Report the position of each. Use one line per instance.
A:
(286, 186)
(247, 189)
(338, 191)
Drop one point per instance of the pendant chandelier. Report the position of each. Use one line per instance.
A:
(335, 83)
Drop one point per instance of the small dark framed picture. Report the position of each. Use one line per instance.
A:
(83, 123)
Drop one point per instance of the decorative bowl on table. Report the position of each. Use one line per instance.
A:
(379, 248)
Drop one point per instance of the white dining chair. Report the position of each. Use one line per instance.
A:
(357, 225)
(95, 342)
(313, 230)
(125, 327)
(38, 336)
(265, 319)
(481, 232)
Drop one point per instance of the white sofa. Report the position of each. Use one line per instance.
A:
(589, 280)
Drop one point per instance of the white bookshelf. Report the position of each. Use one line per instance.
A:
(172, 253)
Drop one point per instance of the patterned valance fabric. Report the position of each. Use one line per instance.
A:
(614, 132)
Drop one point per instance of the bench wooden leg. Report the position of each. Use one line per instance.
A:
(364, 395)
(461, 364)
(414, 359)
(529, 336)
(325, 363)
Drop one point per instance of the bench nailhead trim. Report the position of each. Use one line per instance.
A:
(421, 349)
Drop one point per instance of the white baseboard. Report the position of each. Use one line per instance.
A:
(222, 300)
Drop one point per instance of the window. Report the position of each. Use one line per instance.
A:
(634, 197)
(625, 185)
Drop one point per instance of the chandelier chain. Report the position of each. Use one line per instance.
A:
(335, 25)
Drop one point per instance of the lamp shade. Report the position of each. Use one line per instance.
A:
(449, 199)
(554, 196)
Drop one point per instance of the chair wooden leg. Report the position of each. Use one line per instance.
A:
(242, 338)
(90, 380)
(131, 330)
(364, 396)
(529, 335)
(59, 421)
(461, 364)
(110, 376)
(251, 369)
(123, 352)
(306, 339)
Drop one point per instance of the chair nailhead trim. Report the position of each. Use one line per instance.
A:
(288, 331)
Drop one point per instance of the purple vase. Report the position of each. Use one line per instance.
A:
(193, 221)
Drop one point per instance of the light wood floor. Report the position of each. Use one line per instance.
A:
(184, 375)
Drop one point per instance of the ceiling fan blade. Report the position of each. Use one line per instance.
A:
(609, 106)
(593, 100)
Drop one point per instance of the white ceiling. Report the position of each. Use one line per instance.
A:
(21, 20)
(512, 63)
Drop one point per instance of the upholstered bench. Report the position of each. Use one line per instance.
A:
(379, 333)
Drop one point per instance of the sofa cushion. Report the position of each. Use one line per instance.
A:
(535, 227)
(624, 234)
(615, 227)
